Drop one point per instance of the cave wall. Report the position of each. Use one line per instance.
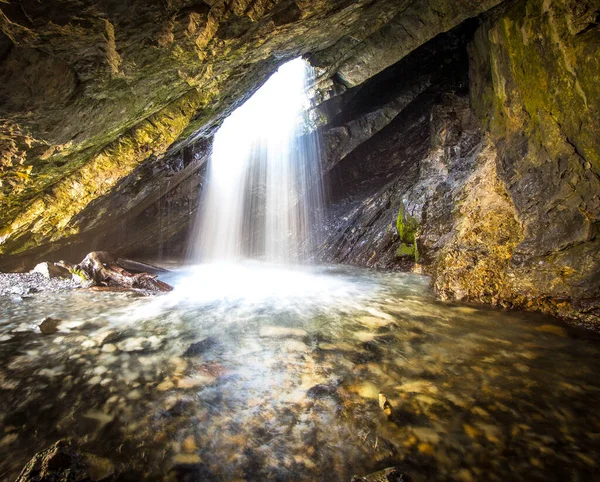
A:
(93, 90)
(500, 186)
(535, 86)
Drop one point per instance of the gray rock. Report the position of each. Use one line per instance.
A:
(49, 325)
(49, 270)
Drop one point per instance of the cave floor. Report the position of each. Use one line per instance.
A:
(252, 372)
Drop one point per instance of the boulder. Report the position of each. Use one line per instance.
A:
(50, 270)
(62, 462)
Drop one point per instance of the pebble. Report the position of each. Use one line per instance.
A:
(133, 344)
(164, 386)
(471, 431)
(189, 444)
(295, 346)
(364, 336)
(109, 348)
(379, 314)
(425, 448)
(195, 381)
(426, 434)
(365, 390)
(134, 395)
(373, 322)
(555, 330)
(281, 332)
(49, 325)
(418, 386)
(95, 380)
(182, 459)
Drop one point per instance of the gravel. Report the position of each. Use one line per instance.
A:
(19, 284)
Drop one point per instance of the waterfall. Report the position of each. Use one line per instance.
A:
(262, 196)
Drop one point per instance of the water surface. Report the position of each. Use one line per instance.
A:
(252, 372)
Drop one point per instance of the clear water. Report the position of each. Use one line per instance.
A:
(287, 385)
(263, 191)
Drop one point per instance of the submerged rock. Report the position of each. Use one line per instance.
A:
(201, 347)
(281, 332)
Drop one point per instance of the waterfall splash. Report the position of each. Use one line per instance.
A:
(263, 192)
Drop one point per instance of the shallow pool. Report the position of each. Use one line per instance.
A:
(253, 372)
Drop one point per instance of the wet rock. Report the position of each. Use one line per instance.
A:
(321, 391)
(63, 462)
(109, 348)
(195, 381)
(385, 405)
(187, 468)
(117, 336)
(189, 444)
(49, 325)
(50, 270)
(365, 390)
(387, 475)
(281, 332)
(295, 346)
(201, 347)
(139, 344)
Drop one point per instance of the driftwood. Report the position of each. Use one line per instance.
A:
(139, 267)
(100, 268)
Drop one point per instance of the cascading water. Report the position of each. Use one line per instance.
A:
(263, 191)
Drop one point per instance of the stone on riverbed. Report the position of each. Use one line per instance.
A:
(386, 475)
(49, 325)
(281, 332)
(200, 347)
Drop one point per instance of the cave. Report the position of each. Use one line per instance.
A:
(299, 240)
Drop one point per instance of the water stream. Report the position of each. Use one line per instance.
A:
(254, 372)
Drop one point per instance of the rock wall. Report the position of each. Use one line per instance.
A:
(535, 75)
(93, 90)
(504, 185)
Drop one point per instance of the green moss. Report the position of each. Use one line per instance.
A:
(407, 227)
(80, 273)
(405, 250)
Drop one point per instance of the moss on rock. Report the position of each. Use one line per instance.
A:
(406, 226)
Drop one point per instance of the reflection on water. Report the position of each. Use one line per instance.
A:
(258, 373)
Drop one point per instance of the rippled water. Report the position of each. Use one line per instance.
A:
(258, 373)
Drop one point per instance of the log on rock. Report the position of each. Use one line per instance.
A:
(101, 268)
